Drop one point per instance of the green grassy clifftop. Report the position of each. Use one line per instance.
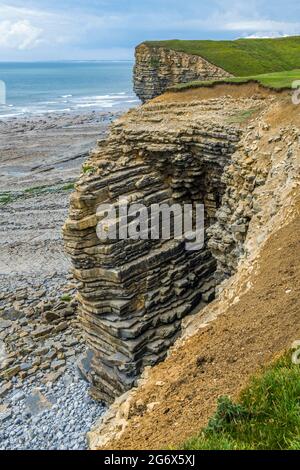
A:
(242, 57)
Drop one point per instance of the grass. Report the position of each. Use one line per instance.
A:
(242, 57)
(66, 298)
(88, 169)
(242, 116)
(5, 199)
(37, 189)
(266, 416)
(9, 197)
(276, 81)
(49, 189)
(69, 187)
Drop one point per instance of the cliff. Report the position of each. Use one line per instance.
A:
(157, 68)
(181, 148)
(236, 149)
(161, 64)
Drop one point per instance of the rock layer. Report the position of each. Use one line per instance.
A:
(256, 314)
(134, 293)
(157, 68)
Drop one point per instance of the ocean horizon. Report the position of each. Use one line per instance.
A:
(75, 86)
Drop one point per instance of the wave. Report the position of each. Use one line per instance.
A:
(70, 103)
(106, 104)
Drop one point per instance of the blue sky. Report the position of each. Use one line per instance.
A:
(109, 29)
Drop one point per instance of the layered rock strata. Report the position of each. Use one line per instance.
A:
(157, 68)
(134, 293)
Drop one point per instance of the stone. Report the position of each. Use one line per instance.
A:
(61, 327)
(58, 346)
(71, 342)
(41, 351)
(83, 364)
(42, 331)
(50, 355)
(36, 403)
(70, 353)
(52, 377)
(12, 314)
(31, 371)
(151, 406)
(5, 416)
(25, 366)
(4, 324)
(67, 312)
(50, 316)
(5, 389)
(10, 372)
(17, 397)
(57, 364)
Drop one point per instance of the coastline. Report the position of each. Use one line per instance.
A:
(40, 159)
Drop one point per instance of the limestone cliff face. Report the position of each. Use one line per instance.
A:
(256, 314)
(134, 293)
(157, 68)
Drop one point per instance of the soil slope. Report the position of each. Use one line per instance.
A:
(220, 358)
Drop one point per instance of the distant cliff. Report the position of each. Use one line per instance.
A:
(157, 68)
(160, 64)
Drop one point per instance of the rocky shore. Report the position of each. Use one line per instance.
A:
(40, 342)
(40, 159)
(41, 348)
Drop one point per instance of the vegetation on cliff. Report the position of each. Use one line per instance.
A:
(276, 80)
(266, 417)
(242, 57)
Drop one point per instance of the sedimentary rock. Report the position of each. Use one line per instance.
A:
(134, 293)
(157, 68)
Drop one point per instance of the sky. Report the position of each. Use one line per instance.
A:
(110, 29)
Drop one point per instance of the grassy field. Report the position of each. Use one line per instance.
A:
(243, 57)
(277, 81)
(266, 417)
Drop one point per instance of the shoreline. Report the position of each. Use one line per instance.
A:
(40, 159)
(41, 343)
(65, 113)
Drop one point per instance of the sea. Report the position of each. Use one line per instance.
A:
(38, 88)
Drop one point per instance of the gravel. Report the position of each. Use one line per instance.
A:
(49, 416)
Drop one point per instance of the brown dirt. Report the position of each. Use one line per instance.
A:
(216, 91)
(220, 358)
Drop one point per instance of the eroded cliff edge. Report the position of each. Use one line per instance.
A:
(179, 148)
(158, 68)
(255, 239)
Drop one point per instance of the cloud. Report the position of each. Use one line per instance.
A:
(19, 35)
(49, 29)
(264, 35)
(263, 26)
